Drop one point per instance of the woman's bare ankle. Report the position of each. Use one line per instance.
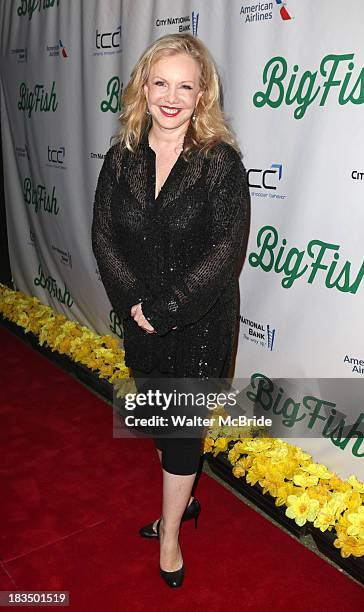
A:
(169, 531)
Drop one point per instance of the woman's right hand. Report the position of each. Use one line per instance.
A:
(137, 314)
(139, 318)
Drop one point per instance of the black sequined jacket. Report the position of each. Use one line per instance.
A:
(178, 254)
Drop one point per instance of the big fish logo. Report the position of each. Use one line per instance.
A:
(113, 100)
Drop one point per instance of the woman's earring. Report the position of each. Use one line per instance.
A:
(148, 113)
(194, 117)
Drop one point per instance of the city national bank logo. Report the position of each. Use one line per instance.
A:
(29, 7)
(21, 54)
(97, 155)
(56, 157)
(58, 50)
(334, 80)
(194, 20)
(260, 334)
(107, 42)
(357, 176)
(65, 257)
(187, 23)
(356, 365)
(266, 180)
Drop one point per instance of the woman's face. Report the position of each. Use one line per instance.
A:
(173, 91)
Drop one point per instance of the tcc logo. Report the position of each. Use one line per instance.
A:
(263, 179)
(56, 156)
(108, 40)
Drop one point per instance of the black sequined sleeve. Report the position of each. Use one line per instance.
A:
(189, 299)
(121, 285)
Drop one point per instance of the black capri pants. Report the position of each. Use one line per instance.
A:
(180, 455)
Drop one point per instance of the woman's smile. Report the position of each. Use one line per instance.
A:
(169, 111)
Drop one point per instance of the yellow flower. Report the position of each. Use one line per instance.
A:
(338, 485)
(241, 446)
(258, 445)
(110, 342)
(121, 373)
(317, 469)
(105, 371)
(208, 445)
(305, 480)
(242, 466)
(349, 545)
(340, 501)
(357, 523)
(245, 463)
(23, 319)
(238, 471)
(320, 492)
(252, 477)
(301, 456)
(342, 524)
(220, 445)
(272, 481)
(124, 386)
(233, 455)
(283, 492)
(354, 501)
(302, 508)
(357, 486)
(260, 465)
(278, 453)
(288, 467)
(64, 345)
(326, 517)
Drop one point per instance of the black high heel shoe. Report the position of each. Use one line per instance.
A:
(172, 579)
(192, 511)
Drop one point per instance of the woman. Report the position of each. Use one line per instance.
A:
(170, 228)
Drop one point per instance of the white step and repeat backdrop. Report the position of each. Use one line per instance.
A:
(293, 81)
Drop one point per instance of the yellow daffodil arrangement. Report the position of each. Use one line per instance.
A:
(99, 353)
(310, 492)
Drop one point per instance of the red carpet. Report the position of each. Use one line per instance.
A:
(73, 498)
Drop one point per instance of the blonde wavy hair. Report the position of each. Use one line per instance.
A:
(209, 127)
